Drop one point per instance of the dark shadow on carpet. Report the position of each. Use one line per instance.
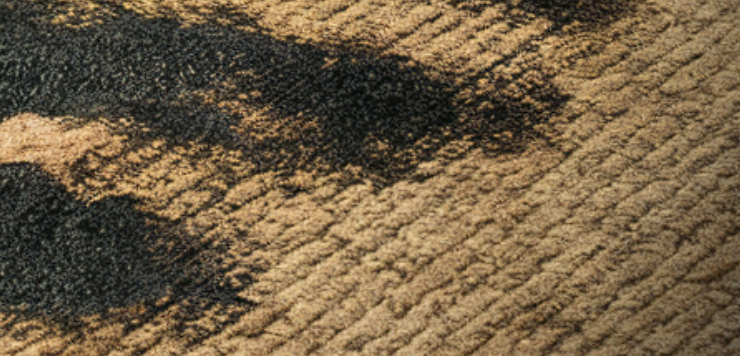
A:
(65, 258)
(287, 105)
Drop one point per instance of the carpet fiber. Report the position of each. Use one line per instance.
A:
(360, 177)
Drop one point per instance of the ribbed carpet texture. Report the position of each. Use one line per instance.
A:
(366, 177)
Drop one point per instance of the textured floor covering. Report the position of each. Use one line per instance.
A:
(365, 177)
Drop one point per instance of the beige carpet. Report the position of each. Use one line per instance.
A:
(360, 177)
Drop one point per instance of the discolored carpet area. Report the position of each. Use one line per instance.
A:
(357, 177)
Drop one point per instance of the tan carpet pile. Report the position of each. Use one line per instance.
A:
(363, 177)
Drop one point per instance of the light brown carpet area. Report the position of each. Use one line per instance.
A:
(361, 177)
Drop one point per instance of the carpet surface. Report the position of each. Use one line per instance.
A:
(362, 177)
